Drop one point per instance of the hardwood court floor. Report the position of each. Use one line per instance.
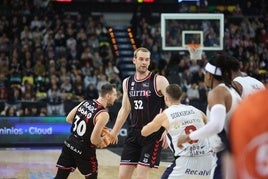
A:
(25, 163)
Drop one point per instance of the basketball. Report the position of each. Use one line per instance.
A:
(105, 131)
(105, 134)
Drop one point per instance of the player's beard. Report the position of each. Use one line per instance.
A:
(110, 103)
(142, 70)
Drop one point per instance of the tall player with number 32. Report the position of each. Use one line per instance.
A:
(142, 98)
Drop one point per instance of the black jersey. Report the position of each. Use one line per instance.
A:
(144, 99)
(78, 151)
(84, 121)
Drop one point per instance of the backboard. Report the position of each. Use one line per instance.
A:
(178, 30)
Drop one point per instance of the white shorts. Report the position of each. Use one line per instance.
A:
(191, 167)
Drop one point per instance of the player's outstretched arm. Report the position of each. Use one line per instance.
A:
(122, 114)
(153, 126)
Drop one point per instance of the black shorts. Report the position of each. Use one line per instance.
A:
(70, 159)
(142, 150)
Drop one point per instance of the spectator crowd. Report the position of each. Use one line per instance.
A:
(53, 58)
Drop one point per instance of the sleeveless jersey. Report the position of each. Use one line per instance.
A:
(144, 99)
(249, 85)
(219, 141)
(182, 120)
(84, 121)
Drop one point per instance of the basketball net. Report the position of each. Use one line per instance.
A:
(195, 51)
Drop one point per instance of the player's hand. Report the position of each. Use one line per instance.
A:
(183, 139)
(113, 137)
(105, 142)
(164, 140)
(106, 138)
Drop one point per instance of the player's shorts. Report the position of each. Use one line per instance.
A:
(70, 160)
(191, 167)
(142, 150)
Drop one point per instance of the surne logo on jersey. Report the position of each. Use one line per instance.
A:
(140, 93)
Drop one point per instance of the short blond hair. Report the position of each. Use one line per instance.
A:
(174, 91)
(140, 49)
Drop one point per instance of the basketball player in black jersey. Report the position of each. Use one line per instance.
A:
(87, 119)
(143, 98)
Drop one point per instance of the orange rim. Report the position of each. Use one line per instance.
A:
(193, 46)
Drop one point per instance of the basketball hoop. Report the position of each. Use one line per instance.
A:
(195, 51)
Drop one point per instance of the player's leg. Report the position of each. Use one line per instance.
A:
(126, 171)
(218, 172)
(149, 157)
(87, 164)
(142, 171)
(129, 160)
(65, 164)
(62, 173)
(130, 155)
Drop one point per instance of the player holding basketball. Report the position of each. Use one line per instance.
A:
(143, 98)
(194, 159)
(222, 100)
(88, 120)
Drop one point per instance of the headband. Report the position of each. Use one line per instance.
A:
(213, 69)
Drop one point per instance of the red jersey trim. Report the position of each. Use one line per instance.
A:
(65, 168)
(96, 101)
(94, 119)
(103, 110)
(148, 76)
(127, 83)
(155, 87)
(148, 165)
(139, 163)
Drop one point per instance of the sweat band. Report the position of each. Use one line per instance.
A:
(213, 69)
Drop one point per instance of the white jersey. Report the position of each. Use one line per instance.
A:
(215, 140)
(182, 120)
(249, 85)
(195, 160)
